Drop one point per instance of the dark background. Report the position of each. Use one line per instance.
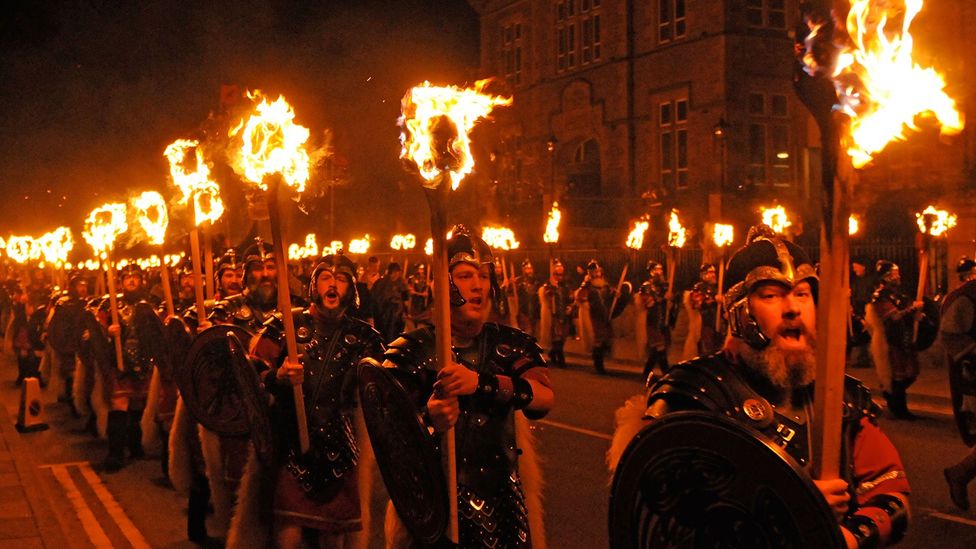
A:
(91, 92)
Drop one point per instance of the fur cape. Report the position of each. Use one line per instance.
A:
(879, 346)
(251, 526)
(530, 472)
(151, 441)
(221, 496)
(88, 391)
(545, 319)
(628, 421)
(585, 326)
(180, 464)
(690, 350)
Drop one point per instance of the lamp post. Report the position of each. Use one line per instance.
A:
(720, 134)
(551, 147)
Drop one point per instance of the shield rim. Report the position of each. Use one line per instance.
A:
(956, 392)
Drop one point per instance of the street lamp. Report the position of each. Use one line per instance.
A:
(551, 147)
(720, 134)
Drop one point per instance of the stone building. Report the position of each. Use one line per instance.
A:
(625, 107)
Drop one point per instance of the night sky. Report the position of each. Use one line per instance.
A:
(92, 91)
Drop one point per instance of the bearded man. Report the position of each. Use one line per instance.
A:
(763, 379)
(318, 490)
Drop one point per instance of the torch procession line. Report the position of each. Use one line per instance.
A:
(573, 428)
(122, 520)
(95, 533)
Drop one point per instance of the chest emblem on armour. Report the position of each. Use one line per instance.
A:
(754, 409)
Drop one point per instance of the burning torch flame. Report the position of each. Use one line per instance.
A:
(935, 222)
(359, 245)
(722, 234)
(853, 225)
(500, 238)
(880, 86)
(635, 239)
(273, 143)
(776, 219)
(194, 184)
(104, 224)
(56, 245)
(310, 249)
(425, 110)
(152, 215)
(429, 246)
(21, 249)
(403, 242)
(676, 233)
(551, 235)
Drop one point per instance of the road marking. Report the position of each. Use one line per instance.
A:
(921, 407)
(573, 428)
(950, 518)
(129, 530)
(85, 514)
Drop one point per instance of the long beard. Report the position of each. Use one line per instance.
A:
(265, 295)
(785, 370)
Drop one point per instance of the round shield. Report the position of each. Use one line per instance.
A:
(694, 479)
(410, 467)
(962, 386)
(209, 385)
(65, 328)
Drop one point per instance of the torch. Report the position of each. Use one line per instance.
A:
(722, 235)
(676, 240)
(635, 241)
(551, 236)
(503, 239)
(195, 184)
(153, 217)
(931, 223)
(272, 156)
(863, 95)
(776, 219)
(104, 224)
(435, 123)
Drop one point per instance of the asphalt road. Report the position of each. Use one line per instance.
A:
(134, 509)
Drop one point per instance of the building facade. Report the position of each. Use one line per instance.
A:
(625, 107)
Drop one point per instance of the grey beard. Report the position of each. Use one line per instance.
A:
(786, 370)
(265, 296)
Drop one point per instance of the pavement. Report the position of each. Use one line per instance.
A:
(27, 520)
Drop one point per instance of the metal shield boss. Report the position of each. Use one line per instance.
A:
(221, 389)
(962, 386)
(410, 466)
(696, 479)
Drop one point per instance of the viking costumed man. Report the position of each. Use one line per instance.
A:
(653, 301)
(251, 307)
(420, 304)
(595, 298)
(127, 385)
(527, 294)
(891, 316)
(318, 490)
(64, 327)
(958, 330)
(556, 307)
(500, 313)
(702, 299)
(762, 379)
(497, 380)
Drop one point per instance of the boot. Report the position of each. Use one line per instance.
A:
(958, 477)
(196, 511)
(598, 360)
(164, 454)
(117, 421)
(134, 435)
(899, 400)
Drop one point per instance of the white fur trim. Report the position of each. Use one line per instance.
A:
(879, 346)
(250, 526)
(151, 441)
(180, 465)
(530, 472)
(220, 496)
(628, 420)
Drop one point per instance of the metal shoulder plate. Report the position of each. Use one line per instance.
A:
(703, 383)
(413, 351)
(511, 344)
(694, 479)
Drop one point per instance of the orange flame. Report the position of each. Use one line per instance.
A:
(429, 246)
(22, 249)
(935, 222)
(551, 235)
(853, 225)
(104, 224)
(425, 108)
(676, 233)
(403, 242)
(880, 86)
(310, 249)
(723, 234)
(635, 239)
(152, 215)
(271, 143)
(359, 245)
(500, 238)
(776, 219)
(56, 245)
(194, 184)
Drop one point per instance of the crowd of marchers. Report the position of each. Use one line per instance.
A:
(748, 355)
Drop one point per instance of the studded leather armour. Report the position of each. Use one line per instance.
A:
(491, 504)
